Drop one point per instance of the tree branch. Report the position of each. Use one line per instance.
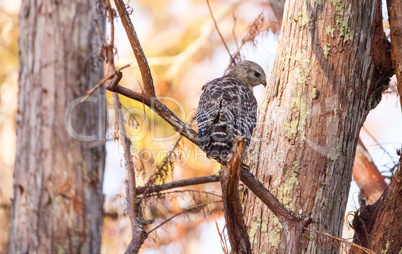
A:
(265, 195)
(137, 49)
(232, 61)
(160, 169)
(185, 211)
(103, 80)
(177, 184)
(138, 233)
(230, 177)
(180, 192)
(161, 110)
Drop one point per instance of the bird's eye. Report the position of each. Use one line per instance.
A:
(257, 74)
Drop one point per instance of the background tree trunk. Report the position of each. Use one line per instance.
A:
(57, 199)
(332, 64)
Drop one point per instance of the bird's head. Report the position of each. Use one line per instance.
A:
(250, 73)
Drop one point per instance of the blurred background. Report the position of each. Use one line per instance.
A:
(184, 51)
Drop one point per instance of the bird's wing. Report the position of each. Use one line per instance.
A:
(248, 115)
(226, 109)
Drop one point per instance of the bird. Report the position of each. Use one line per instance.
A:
(228, 108)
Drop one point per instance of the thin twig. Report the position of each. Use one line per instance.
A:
(234, 30)
(103, 80)
(164, 163)
(223, 246)
(183, 212)
(183, 192)
(377, 143)
(219, 32)
(180, 183)
(195, 46)
(341, 240)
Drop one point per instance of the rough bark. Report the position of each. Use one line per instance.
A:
(378, 226)
(331, 67)
(57, 199)
(395, 23)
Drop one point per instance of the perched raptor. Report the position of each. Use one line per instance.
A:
(228, 108)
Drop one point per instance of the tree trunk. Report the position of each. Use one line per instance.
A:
(331, 67)
(395, 23)
(57, 199)
(378, 226)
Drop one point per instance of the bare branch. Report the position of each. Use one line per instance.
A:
(185, 211)
(160, 169)
(223, 240)
(265, 195)
(181, 183)
(355, 246)
(194, 47)
(219, 32)
(103, 80)
(377, 143)
(292, 224)
(136, 47)
(161, 109)
(253, 30)
(184, 191)
(234, 30)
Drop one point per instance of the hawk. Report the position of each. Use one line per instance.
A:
(228, 108)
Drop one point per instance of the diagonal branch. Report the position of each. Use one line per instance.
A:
(160, 169)
(183, 212)
(103, 80)
(232, 61)
(160, 109)
(137, 49)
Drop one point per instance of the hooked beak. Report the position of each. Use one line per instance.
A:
(264, 82)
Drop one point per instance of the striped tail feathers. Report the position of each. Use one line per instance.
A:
(222, 135)
(219, 145)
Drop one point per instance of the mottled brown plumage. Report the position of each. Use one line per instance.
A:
(228, 108)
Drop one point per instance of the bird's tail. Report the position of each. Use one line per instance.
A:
(220, 144)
